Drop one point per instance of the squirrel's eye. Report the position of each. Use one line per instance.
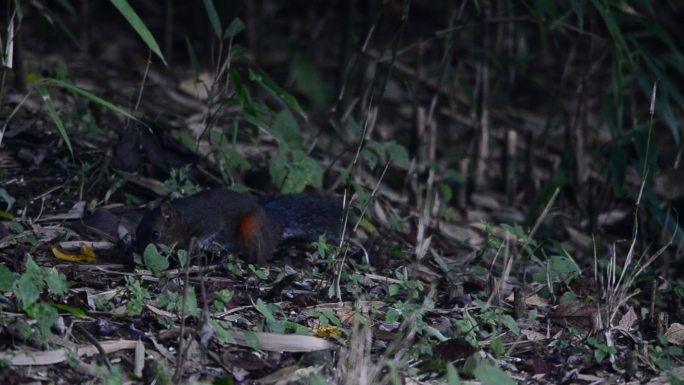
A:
(156, 235)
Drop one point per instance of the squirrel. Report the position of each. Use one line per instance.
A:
(234, 221)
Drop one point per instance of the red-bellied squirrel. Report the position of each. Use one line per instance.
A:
(235, 221)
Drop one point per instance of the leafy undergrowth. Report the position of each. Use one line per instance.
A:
(553, 266)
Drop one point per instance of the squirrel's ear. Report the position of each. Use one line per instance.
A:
(169, 213)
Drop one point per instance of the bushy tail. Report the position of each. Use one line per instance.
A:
(304, 216)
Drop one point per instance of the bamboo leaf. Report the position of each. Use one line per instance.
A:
(50, 105)
(134, 20)
(213, 17)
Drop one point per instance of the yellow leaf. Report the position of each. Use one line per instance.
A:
(327, 332)
(86, 254)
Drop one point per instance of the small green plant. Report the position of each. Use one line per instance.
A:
(222, 299)
(29, 287)
(600, 349)
(180, 182)
(137, 295)
(173, 302)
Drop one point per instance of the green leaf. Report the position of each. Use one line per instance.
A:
(45, 314)
(397, 154)
(252, 341)
(452, 374)
(497, 347)
(191, 303)
(94, 98)
(317, 379)
(193, 57)
(28, 290)
(77, 312)
(213, 17)
(308, 81)
(613, 28)
(491, 375)
(222, 331)
(134, 20)
(153, 260)
(294, 171)
(286, 130)
(55, 116)
(275, 90)
(236, 26)
(56, 282)
(265, 311)
(7, 278)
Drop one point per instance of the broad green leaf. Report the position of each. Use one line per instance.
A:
(309, 82)
(286, 130)
(213, 17)
(45, 314)
(262, 307)
(55, 116)
(56, 282)
(139, 27)
(7, 278)
(28, 290)
(452, 375)
(398, 154)
(497, 347)
(491, 375)
(294, 171)
(510, 324)
(252, 341)
(153, 260)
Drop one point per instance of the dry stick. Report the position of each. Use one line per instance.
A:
(95, 343)
(483, 148)
(11, 115)
(182, 349)
(210, 117)
(142, 83)
(510, 165)
(368, 126)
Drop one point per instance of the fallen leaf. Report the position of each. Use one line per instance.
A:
(50, 357)
(85, 254)
(628, 320)
(675, 334)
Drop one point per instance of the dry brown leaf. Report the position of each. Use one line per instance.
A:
(533, 335)
(628, 320)
(285, 342)
(76, 212)
(50, 357)
(577, 314)
(675, 334)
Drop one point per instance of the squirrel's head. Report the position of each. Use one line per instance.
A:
(162, 225)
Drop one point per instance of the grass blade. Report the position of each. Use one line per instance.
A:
(139, 27)
(50, 105)
(94, 98)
